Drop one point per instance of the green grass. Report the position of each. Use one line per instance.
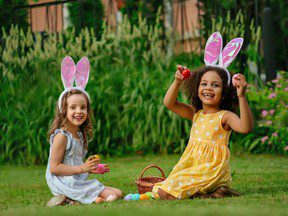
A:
(263, 180)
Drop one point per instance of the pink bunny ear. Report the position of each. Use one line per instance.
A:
(213, 49)
(68, 70)
(230, 52)
(82, 72)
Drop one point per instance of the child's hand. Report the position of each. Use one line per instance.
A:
(90, 164)
(101, 169)
(239, 81)
(179, 78)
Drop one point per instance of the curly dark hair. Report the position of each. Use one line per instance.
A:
(61, 120)
(229, 94)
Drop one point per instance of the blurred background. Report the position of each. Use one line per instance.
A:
(133, 48)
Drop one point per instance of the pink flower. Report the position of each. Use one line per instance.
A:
(264, 139)
(272, 95)
(269, 122)
(264, 113)
(275, 81)
(286, 89)
(278, 85)
(272, 112)
(275, 134)
(286, 148)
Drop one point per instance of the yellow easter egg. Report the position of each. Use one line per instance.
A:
(144, 197)
(97, 156)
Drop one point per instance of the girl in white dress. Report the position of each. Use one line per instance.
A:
(66, 173)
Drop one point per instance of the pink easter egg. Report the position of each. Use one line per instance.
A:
(234, 80)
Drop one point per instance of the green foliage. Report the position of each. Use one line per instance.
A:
(7, 12)
(129, 77)
(87, 13)
(145, 9)
(270, 109)
(130, 74)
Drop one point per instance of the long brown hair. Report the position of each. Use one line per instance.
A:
(60, 118)
(229, 94)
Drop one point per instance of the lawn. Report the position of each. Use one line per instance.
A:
(263, 180)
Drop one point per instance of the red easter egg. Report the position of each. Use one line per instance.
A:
(186, 73)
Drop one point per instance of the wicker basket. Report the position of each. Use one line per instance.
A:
(146, 184)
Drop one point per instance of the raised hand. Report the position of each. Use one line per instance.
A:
(239, 81)
(179, 78)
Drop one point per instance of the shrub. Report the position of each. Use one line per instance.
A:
(269, 105)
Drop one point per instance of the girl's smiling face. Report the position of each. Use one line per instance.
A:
(210, 89)
(76, 109)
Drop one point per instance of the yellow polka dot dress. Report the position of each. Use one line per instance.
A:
(204, 165)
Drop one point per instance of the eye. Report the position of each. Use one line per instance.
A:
(73, 107)
(216, 85)
(203, 84)
(83, 108)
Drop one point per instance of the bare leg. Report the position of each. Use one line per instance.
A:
(165, 196)
(108, 194)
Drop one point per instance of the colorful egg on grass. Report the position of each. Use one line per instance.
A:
(149, 194)
(144, 197)
(136, 196)
(128, 197)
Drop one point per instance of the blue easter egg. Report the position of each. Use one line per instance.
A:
(128, 197)
(136, 196)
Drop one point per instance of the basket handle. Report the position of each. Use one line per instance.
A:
(148, 167)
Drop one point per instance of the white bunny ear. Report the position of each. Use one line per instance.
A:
(230, 52)
(213, 49)
(68, 70)
(82, 72)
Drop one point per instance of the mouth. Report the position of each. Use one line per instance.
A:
(208, 95)
(79, 118)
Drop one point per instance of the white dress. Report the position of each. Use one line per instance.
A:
(75, 187)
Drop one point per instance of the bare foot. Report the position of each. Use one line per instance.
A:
(165, 196)
(99, 200)
(111, 198)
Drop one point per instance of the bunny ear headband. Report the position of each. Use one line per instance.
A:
(70, 72)
(213, 52)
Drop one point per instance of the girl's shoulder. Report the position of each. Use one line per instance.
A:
(59, 135)
(227, 114)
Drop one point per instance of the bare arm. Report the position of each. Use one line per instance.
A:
(57, 154)
(170, 99)
(245, 123)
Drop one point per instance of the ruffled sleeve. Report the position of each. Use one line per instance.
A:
(69, 144)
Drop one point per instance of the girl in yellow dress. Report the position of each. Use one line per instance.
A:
(204, 166)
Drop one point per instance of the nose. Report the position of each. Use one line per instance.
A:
(208, 87)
